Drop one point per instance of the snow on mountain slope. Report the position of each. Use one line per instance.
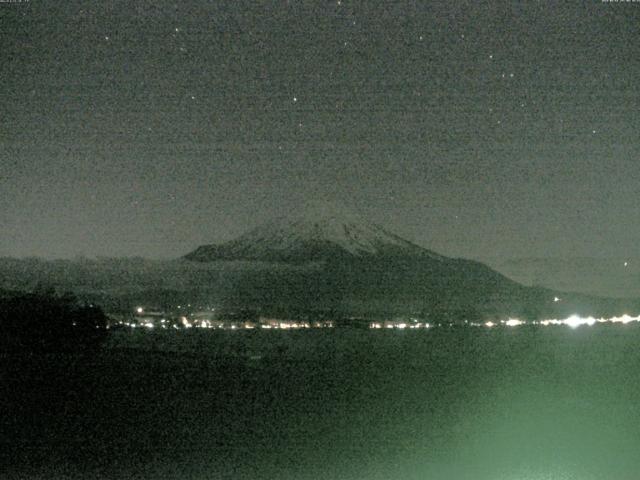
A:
(311, 234)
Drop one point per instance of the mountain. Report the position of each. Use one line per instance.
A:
(312, 236)
(344, 263)
(318, 262)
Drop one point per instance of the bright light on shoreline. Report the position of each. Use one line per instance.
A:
(575, 321)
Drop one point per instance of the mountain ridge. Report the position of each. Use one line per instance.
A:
(323, 264)
(299, 238)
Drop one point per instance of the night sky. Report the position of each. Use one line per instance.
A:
(478, 129)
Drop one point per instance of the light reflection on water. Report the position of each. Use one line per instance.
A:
(562, 404)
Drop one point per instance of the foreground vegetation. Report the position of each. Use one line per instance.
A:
(44, 322)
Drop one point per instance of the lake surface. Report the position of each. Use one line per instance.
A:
(519, 403)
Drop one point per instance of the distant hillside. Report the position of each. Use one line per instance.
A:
(610, 277)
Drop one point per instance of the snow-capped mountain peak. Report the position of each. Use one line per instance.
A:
(348, 233)
(311, 233)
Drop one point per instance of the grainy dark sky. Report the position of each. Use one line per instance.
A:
(478, 129)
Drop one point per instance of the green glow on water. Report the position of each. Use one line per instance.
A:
(447, 404)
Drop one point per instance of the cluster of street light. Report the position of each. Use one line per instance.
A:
(573, 321)
(183, 322)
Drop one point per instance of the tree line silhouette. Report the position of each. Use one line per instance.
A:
(43, 321)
